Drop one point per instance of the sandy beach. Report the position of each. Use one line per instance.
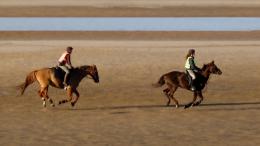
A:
(129, 8)
(132, 35)
(124, 109)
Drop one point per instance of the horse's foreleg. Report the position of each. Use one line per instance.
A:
(201, 99)
(47, 97)
(41, 93)
(69, 95)
(195, 94)
(63, 101)
(76, 99)
(50, 100)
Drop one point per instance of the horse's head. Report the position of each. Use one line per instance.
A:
(212, 68)
(92, 71)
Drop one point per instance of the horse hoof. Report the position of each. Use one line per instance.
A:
(52, 105)
(196, 104)
(44, 104)
(72, 104)
(186, 106)
(176, 106)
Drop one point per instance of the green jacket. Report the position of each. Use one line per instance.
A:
(190, 64)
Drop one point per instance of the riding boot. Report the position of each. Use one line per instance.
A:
(193, 88)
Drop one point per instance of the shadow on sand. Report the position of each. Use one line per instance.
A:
(203, 107)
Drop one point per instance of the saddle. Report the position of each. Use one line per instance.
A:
(195, 82)
(188, 77)
(59, 73)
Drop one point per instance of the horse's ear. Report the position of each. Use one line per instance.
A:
(212, 62)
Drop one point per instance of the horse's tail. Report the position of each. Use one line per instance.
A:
(160, 82)
(31, 77)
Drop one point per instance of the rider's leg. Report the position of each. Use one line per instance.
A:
(192, 74)
(66, 70)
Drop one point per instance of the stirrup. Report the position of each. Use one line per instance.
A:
(192, 88)
(65, 86)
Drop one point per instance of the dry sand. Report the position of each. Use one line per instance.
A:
(167, 11)
(127, 3)
(125, 8)
(124, 109)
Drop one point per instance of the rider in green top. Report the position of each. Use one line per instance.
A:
(191, 67)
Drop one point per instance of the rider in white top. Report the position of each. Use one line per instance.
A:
(65, 64)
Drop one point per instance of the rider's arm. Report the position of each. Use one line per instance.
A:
(68, 61)
(192, 64)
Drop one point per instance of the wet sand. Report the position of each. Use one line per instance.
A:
(131, 35)
(124, 109)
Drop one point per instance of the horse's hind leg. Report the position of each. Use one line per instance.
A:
(195, 94)
(43, 93)
(173, 98)
(166, 92)
(43, 102)
(169, 99)
(47, 97)
(169, 94)
(51, 102)
(170, 91)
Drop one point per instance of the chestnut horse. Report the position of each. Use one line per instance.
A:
(47, 77)
(176, 79)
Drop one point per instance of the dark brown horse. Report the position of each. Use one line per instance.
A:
(176, 79)
(47, 77)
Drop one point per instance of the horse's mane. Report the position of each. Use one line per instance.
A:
(82, 67)
(204, 67)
